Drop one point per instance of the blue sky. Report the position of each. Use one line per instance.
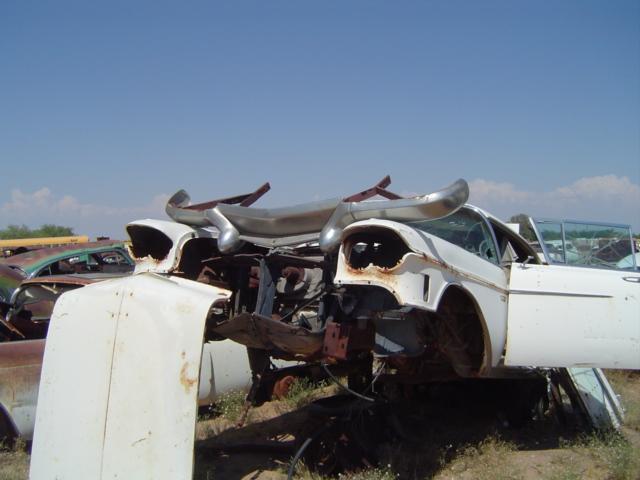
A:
(107, 108)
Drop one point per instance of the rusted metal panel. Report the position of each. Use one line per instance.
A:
(72, 279)
(135, 385)
(243, 200)
(32, 302)
(20, 365)
(224, 367)
(378, 189)
(341, 339)
(9, 281)
(441, 264)
(336, 338)
(257, 331)
(21, 354)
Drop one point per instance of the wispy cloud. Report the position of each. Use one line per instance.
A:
(604, 198)
(44, 206)
(44, 201)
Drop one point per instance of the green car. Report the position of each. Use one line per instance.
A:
(104, 256)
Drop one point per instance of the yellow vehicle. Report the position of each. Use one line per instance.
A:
(20, 245)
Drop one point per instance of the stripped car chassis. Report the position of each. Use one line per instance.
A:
(261, 266)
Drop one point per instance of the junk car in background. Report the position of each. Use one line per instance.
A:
(27, 315)
(29, 288)
(102, 256)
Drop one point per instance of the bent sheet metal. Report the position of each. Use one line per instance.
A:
(94, 420)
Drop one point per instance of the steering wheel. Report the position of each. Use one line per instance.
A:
(471, 230)
(484, 249)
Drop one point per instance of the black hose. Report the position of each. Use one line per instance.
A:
(352, 392)
(303, 447)
(346, 389)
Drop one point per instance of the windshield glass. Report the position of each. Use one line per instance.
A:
(464, 228)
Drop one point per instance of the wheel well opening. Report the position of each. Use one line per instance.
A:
(460, 331)
(380, 247)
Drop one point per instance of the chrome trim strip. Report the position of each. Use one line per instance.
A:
(557, 294)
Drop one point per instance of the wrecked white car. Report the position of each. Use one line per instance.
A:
(429, 287)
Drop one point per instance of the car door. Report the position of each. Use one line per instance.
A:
(562, 316)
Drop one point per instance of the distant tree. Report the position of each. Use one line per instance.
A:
(526, 231)
(50, 230)
(15, 231)
(47, 230)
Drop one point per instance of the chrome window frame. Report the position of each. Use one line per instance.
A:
(533, 222)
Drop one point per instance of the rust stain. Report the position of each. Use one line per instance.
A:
(469, 276)
(187, 382)
(374, 273)
(22, 353)
(390, 276)
(61, 279)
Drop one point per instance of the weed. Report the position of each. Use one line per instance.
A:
(565, 466)
(304, 473)
(613, 453)
(570, 473)
(486, 459)
(14, 461)
(301, 392)
(626, 383)
(371, 474)
(230, 405)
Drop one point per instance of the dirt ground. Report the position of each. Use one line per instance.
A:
(453, 431)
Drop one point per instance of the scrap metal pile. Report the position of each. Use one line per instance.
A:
(397, 291)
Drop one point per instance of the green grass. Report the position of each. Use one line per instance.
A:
(626, 384)
(616, 454)
(302, 392)
(304, 473)
(607, 452)
(486, 459)
(371, 474)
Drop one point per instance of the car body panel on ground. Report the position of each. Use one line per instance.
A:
(148, 329)
(20, 365)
